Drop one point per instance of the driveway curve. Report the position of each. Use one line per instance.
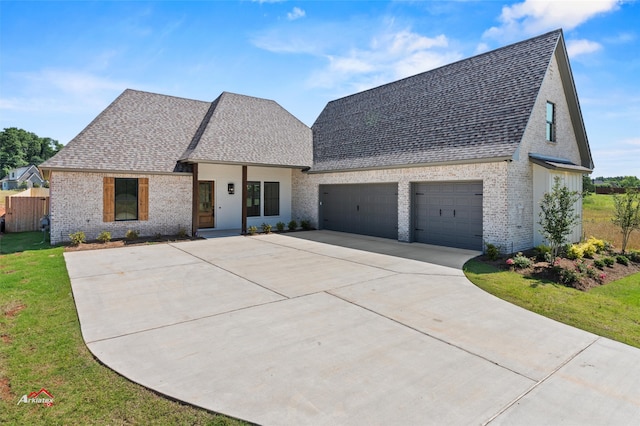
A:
(329, 328)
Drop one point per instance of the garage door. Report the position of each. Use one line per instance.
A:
(448, 214)
(367, 209)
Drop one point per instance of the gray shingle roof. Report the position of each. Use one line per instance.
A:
(148, 132)
(139, 131)
(244, 129)
(470, 110)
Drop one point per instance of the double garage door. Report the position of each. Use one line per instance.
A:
(442, 213)
(448, 214)
(367, 209)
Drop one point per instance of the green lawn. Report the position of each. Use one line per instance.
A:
(41, 347)
(597, 211)
(612, 310)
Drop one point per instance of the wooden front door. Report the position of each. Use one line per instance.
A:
(206, 209)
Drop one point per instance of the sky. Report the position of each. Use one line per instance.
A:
(62, 63)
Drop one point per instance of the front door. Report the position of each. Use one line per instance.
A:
(205, 204)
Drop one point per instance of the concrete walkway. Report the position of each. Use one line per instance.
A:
(285, 330)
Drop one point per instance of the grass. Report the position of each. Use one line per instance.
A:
(597, 211)
(612, 310)
(41, 347)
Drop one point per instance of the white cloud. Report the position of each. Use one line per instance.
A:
(582, 47)
(536, 16)
(296, 13)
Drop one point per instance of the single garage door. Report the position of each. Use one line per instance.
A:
(367, 209)
(448, 214)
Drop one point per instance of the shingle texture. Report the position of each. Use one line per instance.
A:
(244, 129)
(473, 109)
(152, 133)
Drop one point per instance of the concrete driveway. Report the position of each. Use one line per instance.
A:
(306, 328)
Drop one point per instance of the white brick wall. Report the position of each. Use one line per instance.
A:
(76, 205)
(493, 175)
(508, 195)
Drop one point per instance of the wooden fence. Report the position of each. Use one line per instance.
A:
(24, 213)
(611, 190)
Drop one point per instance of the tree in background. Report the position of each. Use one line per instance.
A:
(557, 215)
(588, 187)
(627, 214)
(20, 148)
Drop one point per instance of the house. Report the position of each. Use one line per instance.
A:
(162, 165)
(457, 156)
(25, 177)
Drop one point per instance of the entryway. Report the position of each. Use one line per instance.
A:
(206, 207)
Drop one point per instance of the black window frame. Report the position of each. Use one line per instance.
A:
(272, 198)
(122, 187)
(253, 199)
(550, 129)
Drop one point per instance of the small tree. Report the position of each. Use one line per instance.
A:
(627, 214)
(558, 216)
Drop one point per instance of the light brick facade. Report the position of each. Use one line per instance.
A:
(76, 205)
(508, 186)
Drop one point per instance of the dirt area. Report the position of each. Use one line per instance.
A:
(97, 245)
(587, 273)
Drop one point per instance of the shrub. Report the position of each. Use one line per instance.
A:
(266, 228)
(575, 252)
(557, 214)
(252, 230)
(131, 235)
(581, 266)
(492, 252)
(520, 261)
(182, 233)
(568, 276)
(591, 272)
(599, 264)
(623, 260)
(609, 261)
(293, 225)
(588, 250)
(77, 238)
(634, 256)
(280, 226)
(104, 237)
(305, 224)
(600, 245)
(543, 253)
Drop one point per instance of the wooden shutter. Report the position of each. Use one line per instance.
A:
(108, 199)
(143, 199)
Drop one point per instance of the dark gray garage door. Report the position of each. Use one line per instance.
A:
(368, 209)
(448, 214)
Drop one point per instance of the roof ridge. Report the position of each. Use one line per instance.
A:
(493, 51)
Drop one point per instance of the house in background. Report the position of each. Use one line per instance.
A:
(458, 156)
(161, 165)
(28, 176)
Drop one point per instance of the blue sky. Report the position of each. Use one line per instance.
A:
(61, 63)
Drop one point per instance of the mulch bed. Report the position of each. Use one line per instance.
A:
(97, 245)
(546, 271)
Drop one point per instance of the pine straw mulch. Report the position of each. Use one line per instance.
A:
(97, 245)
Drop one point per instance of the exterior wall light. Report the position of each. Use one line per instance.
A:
(231, 189)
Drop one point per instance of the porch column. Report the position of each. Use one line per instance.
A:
(194, 209)
(244, 200)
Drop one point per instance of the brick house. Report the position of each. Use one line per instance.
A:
(456, 156)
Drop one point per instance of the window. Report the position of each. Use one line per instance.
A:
(272, 198)
(125, 199)
(253, 199)
(551, 122)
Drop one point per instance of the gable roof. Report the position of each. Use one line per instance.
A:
(23, 174)
(476, 109)
(243, 129)
(152, 133)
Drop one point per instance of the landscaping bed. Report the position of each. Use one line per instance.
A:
(572, 268)
(97, 245)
